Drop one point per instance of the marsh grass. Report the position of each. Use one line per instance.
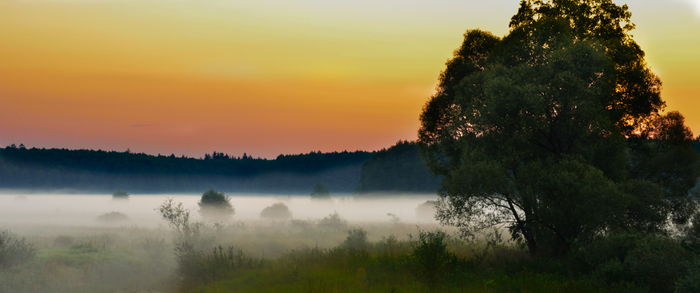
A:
(295, 256)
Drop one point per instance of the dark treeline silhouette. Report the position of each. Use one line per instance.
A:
(397, 169)
(90, 170)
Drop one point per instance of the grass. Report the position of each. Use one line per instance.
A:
(292, 256)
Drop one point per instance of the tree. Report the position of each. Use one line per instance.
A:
(120, 194)
(215, 206)
(543, 131)
(277, 211)
(320, 191)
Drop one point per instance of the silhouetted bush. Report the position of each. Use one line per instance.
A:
(120, 194)
(320, 192)
(215, 206)
(277, 211)
(13, 251)
(647, 261)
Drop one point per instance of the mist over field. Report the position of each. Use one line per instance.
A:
(25, 209)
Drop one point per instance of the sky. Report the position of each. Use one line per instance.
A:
(263, 77)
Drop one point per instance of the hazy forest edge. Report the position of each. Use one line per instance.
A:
(397, 169)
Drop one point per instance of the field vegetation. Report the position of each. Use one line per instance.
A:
(331, 254)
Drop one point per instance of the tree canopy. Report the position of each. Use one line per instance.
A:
(320, 191)
(215, 206)
(554, 131)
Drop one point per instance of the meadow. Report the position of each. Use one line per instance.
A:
(65, 243)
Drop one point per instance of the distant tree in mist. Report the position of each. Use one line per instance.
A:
(320, 191)
(427, 210)
(120, 194)
(215, 206)
(277, 211)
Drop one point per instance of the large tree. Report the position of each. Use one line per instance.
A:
(554, 130)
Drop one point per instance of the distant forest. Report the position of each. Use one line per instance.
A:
(106, 171)
(398, 169)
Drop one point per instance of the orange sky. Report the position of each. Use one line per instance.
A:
(269, 77)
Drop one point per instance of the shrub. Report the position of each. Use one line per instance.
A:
(215, 206)
(277, 211)
(431, 260)
(113, 217)
(320, 192)
(13, 251)
(426, 211)
(120, 194)
(333, 221)
(653, 262)
(356, 240)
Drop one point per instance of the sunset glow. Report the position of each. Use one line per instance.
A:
(262, 77)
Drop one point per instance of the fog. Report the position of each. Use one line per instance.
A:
(22, 209)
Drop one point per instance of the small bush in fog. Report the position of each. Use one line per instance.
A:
(120, 194)
(13, 251)
(427, 210)
(113, 217)
(277, 211)
(333, 221)
(320, 192)
(394, 219)
(356, 240)
(179, 219)
(431, 260)
(215, 206)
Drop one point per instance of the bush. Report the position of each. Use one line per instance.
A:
(215, 206)
(112, 218)
(426, 211)
(648, 261)
(320, 191)
(13, 251)
(277, 211)
(333, 221)
(356, 240)
(431, 260)
(120, 194)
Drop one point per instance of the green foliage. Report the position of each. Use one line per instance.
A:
(646, 261)
(396, 169)
(554, 131)
(120, 194)
(277, 211)
(215, 206)
(320, 191)
(356, 240)
(14, 252)
(431, 260)
(113, 217)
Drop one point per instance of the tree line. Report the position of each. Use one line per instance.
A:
(396, 169)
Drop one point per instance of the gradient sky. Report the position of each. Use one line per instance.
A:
(263, 77)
